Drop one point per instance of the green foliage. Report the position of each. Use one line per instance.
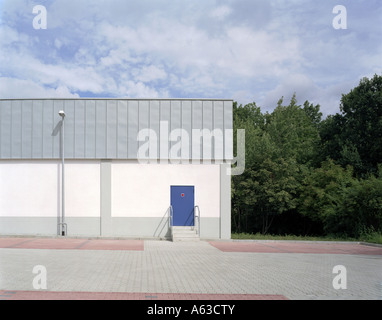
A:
(293, 132)
(322, 194)
(312, 176)
(313, 112)
(259, 236)
(278, 147)
(354, 137)
(343, 203)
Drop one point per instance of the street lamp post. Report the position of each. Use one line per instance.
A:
(63, 224)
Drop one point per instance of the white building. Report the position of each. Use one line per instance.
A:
(128, 165)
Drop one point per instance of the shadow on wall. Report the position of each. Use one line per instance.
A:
(164, 224)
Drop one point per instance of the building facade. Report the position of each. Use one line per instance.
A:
(125, 163)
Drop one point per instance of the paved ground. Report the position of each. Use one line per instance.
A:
(297, 247)
(150, 270)
(71, 244)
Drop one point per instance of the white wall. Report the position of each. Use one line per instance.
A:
(82, 189)
(143, 190)
(29, 189)
(30, 197)
(33, 188)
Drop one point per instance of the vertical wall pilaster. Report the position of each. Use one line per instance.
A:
(106, 222)
(225, 202)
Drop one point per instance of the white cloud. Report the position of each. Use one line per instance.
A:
(140, 90)
(221, 12)
(149, 74)
(58, 44)
(243, 49)
(11, 88)
(328, 97)
(192, 53)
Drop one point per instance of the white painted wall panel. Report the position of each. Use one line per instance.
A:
(144, 190)
(82, 189)
(33, 189)
(29, 189)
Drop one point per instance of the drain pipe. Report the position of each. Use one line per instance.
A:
(63, 224)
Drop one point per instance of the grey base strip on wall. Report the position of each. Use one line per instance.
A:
(135, 227)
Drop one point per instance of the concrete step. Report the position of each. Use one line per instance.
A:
(183, 239)
(183, 228)
(184, 234)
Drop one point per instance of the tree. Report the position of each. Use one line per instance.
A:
(313, 112)
(249, 118)
(278, 147)
(270, 189)
(354, 137)
(323, 173)
(342, 203)
(294, 132)
(322, 193)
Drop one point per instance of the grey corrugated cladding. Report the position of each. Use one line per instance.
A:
(106, 128)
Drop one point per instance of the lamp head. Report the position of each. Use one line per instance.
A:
(61, 113)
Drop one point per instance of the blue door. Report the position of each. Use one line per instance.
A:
(182, 202)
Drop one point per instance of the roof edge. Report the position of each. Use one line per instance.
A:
(129, 99)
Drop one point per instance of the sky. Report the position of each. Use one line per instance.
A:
(245, 50)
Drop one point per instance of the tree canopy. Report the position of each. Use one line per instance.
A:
(305, 174)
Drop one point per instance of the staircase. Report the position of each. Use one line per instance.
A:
(184, 234)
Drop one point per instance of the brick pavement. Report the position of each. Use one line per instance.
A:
(49, 295)
(90, 269)
(70, 243)
(296, 247)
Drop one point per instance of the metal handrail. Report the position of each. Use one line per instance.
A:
(171, 216)
(197, 216)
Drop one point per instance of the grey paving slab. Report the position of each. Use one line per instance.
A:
(193, 267)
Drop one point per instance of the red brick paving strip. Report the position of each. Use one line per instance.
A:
(71, 244)
(293, 247)
(54, 295)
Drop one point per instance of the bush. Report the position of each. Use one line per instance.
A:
(345, 205)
